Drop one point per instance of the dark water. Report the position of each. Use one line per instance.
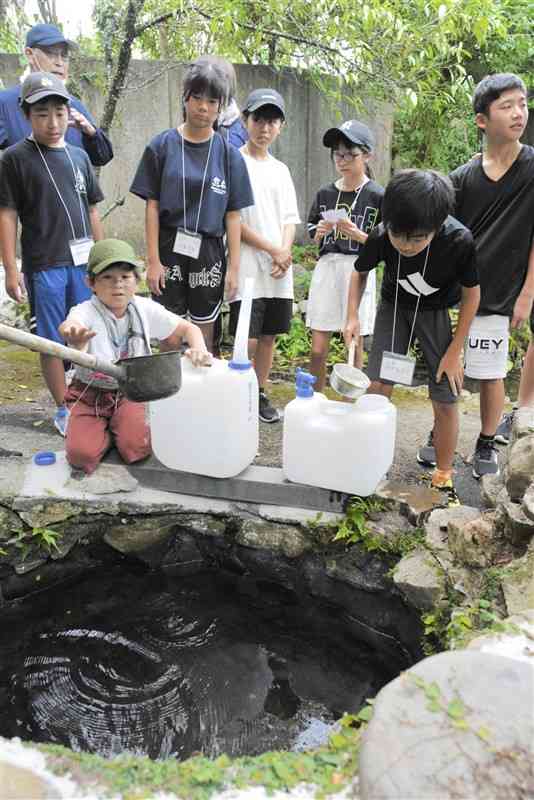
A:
(165, 666)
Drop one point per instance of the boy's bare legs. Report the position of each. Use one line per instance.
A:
(54, 377)
(263, 357)
(446, 427)
(525, 396)
(207, 332)
(358, 354)
(319, 354)
(491, 405)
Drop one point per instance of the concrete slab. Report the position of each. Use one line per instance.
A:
(263, 485)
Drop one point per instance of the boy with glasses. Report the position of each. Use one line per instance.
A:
(47, 50)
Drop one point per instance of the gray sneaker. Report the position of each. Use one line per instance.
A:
(485, 460)
(504, 429)
(426, 455)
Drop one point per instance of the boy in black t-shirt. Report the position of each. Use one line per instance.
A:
(51, 187)
(495, 199)
(429, 266)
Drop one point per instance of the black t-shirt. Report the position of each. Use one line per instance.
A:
(500, 215)
(365, 214)
(159, 177)
(25, 186)
(451, 264)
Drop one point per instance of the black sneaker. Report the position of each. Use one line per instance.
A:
(426, 455)
(485, 460)
(504, 428)
(267, 412)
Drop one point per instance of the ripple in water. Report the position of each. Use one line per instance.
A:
(171, 666)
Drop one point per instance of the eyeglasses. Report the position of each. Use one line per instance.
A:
(338, 156)
(53, 52)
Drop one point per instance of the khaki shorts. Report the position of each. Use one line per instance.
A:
(486, 347)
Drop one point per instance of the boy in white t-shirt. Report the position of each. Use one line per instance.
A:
(267, 234)
(116, 324)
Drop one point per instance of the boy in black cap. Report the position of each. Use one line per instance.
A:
(51, 188)
(47, 50)
(267, 233)
(340, 219)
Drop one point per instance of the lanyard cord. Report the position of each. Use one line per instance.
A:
(416, 305)
(54, 184)
(203, 182)
(357, 197)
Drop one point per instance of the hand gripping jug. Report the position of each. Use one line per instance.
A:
(347, 447)
(210, 427)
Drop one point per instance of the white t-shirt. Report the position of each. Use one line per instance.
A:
(275, 205)
(157, 322)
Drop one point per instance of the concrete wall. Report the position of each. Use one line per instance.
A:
(151, 104)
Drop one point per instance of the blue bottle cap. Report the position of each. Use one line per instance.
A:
(304, 383)
(44, 458)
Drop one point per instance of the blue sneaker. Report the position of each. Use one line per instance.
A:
(61, 420)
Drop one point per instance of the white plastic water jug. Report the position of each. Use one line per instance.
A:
(340, 446)
(210, 427)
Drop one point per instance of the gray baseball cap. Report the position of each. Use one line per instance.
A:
(356, 132)
(264, 97)
(40, 85)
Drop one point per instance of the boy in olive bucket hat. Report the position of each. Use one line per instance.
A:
(116, 323)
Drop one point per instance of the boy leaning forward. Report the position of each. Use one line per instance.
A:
(430, 266)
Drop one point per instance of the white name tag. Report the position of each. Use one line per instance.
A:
(79, 250)
(187, 243)
(397, 368)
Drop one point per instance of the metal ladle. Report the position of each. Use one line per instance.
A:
(141, 379)
(347, 380)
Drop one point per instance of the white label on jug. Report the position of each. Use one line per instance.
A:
(397, 368)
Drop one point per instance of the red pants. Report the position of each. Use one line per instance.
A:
(99, 419)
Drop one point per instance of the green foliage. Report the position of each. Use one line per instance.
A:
(354, 529)
(294, 346)
(450, 627)
(47, 538)
(329, 768)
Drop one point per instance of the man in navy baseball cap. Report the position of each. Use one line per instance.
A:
(264, 97)
(46, 36)
(48, 50)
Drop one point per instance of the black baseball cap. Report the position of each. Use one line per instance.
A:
(39, 85)
(356, 132)
(46, 36)
(264, 97)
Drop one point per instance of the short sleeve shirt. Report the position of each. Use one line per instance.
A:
(275, 206)
(500, 215)
(26, 186)
(451, 264)
(365, 213)
(160, 176)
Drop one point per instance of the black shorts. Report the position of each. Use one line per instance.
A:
(194, 287)
(269, 316)
(433, 332)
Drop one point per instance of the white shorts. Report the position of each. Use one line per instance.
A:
(486, 347)
(329, 294)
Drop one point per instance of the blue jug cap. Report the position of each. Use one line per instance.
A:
(240, 365)
(44, 458)
(304, 382)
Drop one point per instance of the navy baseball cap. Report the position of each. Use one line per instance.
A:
(264, 97)
(356, 132)
(46, 36)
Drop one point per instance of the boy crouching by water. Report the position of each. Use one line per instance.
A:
(115, 324)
